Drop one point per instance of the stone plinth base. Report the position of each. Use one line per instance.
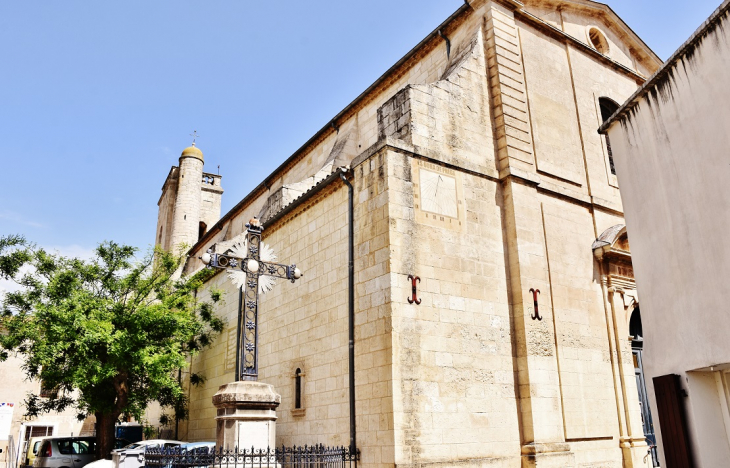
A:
(635, 450)
(246, 415)
(555, 455)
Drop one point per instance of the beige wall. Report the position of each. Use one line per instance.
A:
(452, 354)
(14, 388)
(671, 156)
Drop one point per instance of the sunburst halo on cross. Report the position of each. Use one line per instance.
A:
(238, 276)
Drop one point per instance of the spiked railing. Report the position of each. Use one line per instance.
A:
(314, 456)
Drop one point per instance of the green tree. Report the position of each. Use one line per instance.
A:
(109, 334)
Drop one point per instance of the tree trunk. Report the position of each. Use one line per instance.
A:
(106, 422)
(105, 425)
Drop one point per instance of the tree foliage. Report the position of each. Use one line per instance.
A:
(108, 334)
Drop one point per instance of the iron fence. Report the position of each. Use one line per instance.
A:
(315, 456)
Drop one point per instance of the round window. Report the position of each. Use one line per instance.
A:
(598, 40)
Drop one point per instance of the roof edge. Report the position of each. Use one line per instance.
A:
(329, 126)
(661, 74)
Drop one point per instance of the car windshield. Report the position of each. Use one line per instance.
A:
(147, 444)
(120, 443)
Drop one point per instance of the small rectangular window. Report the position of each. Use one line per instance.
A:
(48, 391)
(38, 431)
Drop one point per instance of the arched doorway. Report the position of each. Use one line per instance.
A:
(637, 348)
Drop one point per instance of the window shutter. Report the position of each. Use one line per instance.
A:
(673, 421)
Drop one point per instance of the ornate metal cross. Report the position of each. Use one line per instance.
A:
(251, 267)
(195, 136)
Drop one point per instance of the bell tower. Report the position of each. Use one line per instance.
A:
(190, 202)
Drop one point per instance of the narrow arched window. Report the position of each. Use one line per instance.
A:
(608, 108)
(298, 389)
(202, 228)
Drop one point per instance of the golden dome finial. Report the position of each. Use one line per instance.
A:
(192, 151)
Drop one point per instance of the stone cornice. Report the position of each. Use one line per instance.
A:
(529, 178)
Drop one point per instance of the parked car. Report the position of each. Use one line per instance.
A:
(68, 452)
(132, 456)
(103, 463)
(34, 444)
(197, 445)
(130, 452)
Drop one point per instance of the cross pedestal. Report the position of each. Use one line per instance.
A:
(246, 415)
(246, 408)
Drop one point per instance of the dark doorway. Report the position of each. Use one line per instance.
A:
(637, 348)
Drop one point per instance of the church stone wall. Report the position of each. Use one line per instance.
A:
(555, 130)
(579, 17)
(451, 118)
(304, 325)
(582, 341)
(374, 347)
(591, 82)
(454, 392)
(166, 208)
(210, 199)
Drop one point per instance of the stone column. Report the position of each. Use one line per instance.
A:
(632, 439)
(246, 415)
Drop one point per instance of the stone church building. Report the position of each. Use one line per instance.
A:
(475, 166)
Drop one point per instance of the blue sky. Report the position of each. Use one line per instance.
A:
(97, 99)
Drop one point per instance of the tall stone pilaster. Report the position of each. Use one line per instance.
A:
(534, 343)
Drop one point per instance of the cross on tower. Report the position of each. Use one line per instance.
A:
(246, 269)
(195, 136)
